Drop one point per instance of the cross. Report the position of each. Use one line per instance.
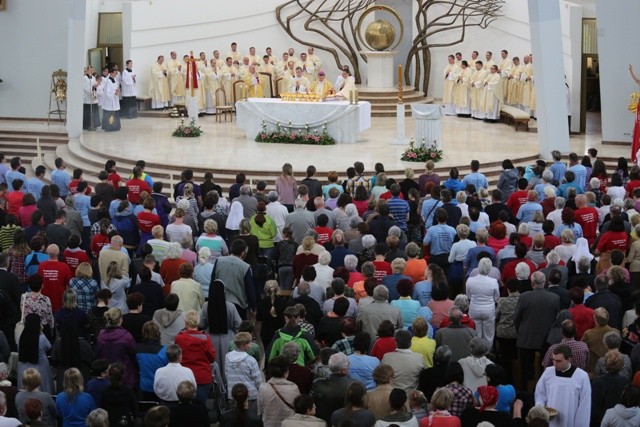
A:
(191, 75)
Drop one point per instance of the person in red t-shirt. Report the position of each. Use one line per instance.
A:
(74, 255)
(615, 238)
(518, 198)
(137, 185)
(14, 198)
(324, 232)
(385, 343)
(550, 241)
(147, 220)
(55, 277)
(383, 268)
(581, 314)
(113, 178)
(587, 217)
(77, 178)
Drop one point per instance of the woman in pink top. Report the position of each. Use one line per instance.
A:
(286, 186)
(26, 210)
(440, 303)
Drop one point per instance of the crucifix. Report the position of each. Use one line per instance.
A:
(192, 84)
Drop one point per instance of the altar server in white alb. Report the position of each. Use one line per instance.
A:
(111, 103)
(566, 389)
(451, 72)
(492, 95)
(128, 85)
(90, 114)
(348, 83)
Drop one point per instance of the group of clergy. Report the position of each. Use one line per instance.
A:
(110, 95)
(479, 88)
(261, 76)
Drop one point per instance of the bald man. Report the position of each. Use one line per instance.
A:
(55, 277)
(114, 252)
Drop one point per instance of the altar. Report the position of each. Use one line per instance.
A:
(343, 121)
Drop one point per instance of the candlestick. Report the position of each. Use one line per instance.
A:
(355, 96)
(400, 85)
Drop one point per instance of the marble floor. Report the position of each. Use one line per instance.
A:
(224, 146)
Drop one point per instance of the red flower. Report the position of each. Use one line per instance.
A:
(433, 155)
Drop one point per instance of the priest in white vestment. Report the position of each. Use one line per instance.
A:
(272, 58)
(514, 86)
(493, 95)
(243, 70)
(254, 83)
(450, 76)
(253, 58)
(566, 389)
(317, 63)
(462, 90)
(308, 69)
(176, 81)
(489, 62)
(459, 59)
(505, 70)
(299, 83)
(281, 66)
(233, 53)
(348, 83)
(229, 73)
(211, 84)
(159, 85)
(477, 89)
(524, 101)
(128, 84)
(474, 58)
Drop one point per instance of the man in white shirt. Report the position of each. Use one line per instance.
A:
(166, 380)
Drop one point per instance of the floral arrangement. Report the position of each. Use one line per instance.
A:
(187, 131)
(422, 153)
(287, 134)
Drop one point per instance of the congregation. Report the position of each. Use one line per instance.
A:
(430, 301)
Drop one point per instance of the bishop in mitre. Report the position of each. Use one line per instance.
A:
(176, 79)
(159, 85)
(450, 75)
(492, 95)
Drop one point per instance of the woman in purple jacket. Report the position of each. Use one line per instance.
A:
(117, 345)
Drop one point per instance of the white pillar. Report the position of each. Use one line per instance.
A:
(400, 134)
(380, 70)
(76, 61)
(548, 63)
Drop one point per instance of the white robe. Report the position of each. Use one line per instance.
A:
(571, 397)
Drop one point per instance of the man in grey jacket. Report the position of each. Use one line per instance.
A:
(371, 315)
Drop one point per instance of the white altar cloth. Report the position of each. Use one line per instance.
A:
(344, 121)
(428, 129)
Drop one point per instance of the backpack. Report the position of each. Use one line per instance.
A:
(33, 262)
(283, 338)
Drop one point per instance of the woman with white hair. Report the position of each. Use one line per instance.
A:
(457, 256)
(351, 264)
(483, 292)
(473, 366)
(568, 247)
(324, 273)
(203, 271)
(212, 241)
(368, 252)
(170, 266)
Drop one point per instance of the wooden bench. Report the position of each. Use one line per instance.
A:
(514, 115)
(144, 101)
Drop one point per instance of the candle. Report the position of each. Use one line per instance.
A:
(400, 85)
(39, 151)
(355, 96)
(171, 182)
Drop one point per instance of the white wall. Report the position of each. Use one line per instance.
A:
(33, 45)
(162, 26)
(617, 47)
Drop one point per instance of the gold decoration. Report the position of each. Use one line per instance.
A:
(633, 105)
(301, 97)
(112, 119)
(380, 34)
(60, 90)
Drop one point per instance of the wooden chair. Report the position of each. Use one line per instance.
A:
(221, 105)
(278, 86)
(268, 86)
(235, 89)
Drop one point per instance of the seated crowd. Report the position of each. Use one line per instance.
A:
(423, 302)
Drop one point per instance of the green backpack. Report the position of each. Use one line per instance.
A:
(283, 338)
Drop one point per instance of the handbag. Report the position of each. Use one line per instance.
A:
(17, 332)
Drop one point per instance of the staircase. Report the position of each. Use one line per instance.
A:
(384, 101)
(24, 143)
